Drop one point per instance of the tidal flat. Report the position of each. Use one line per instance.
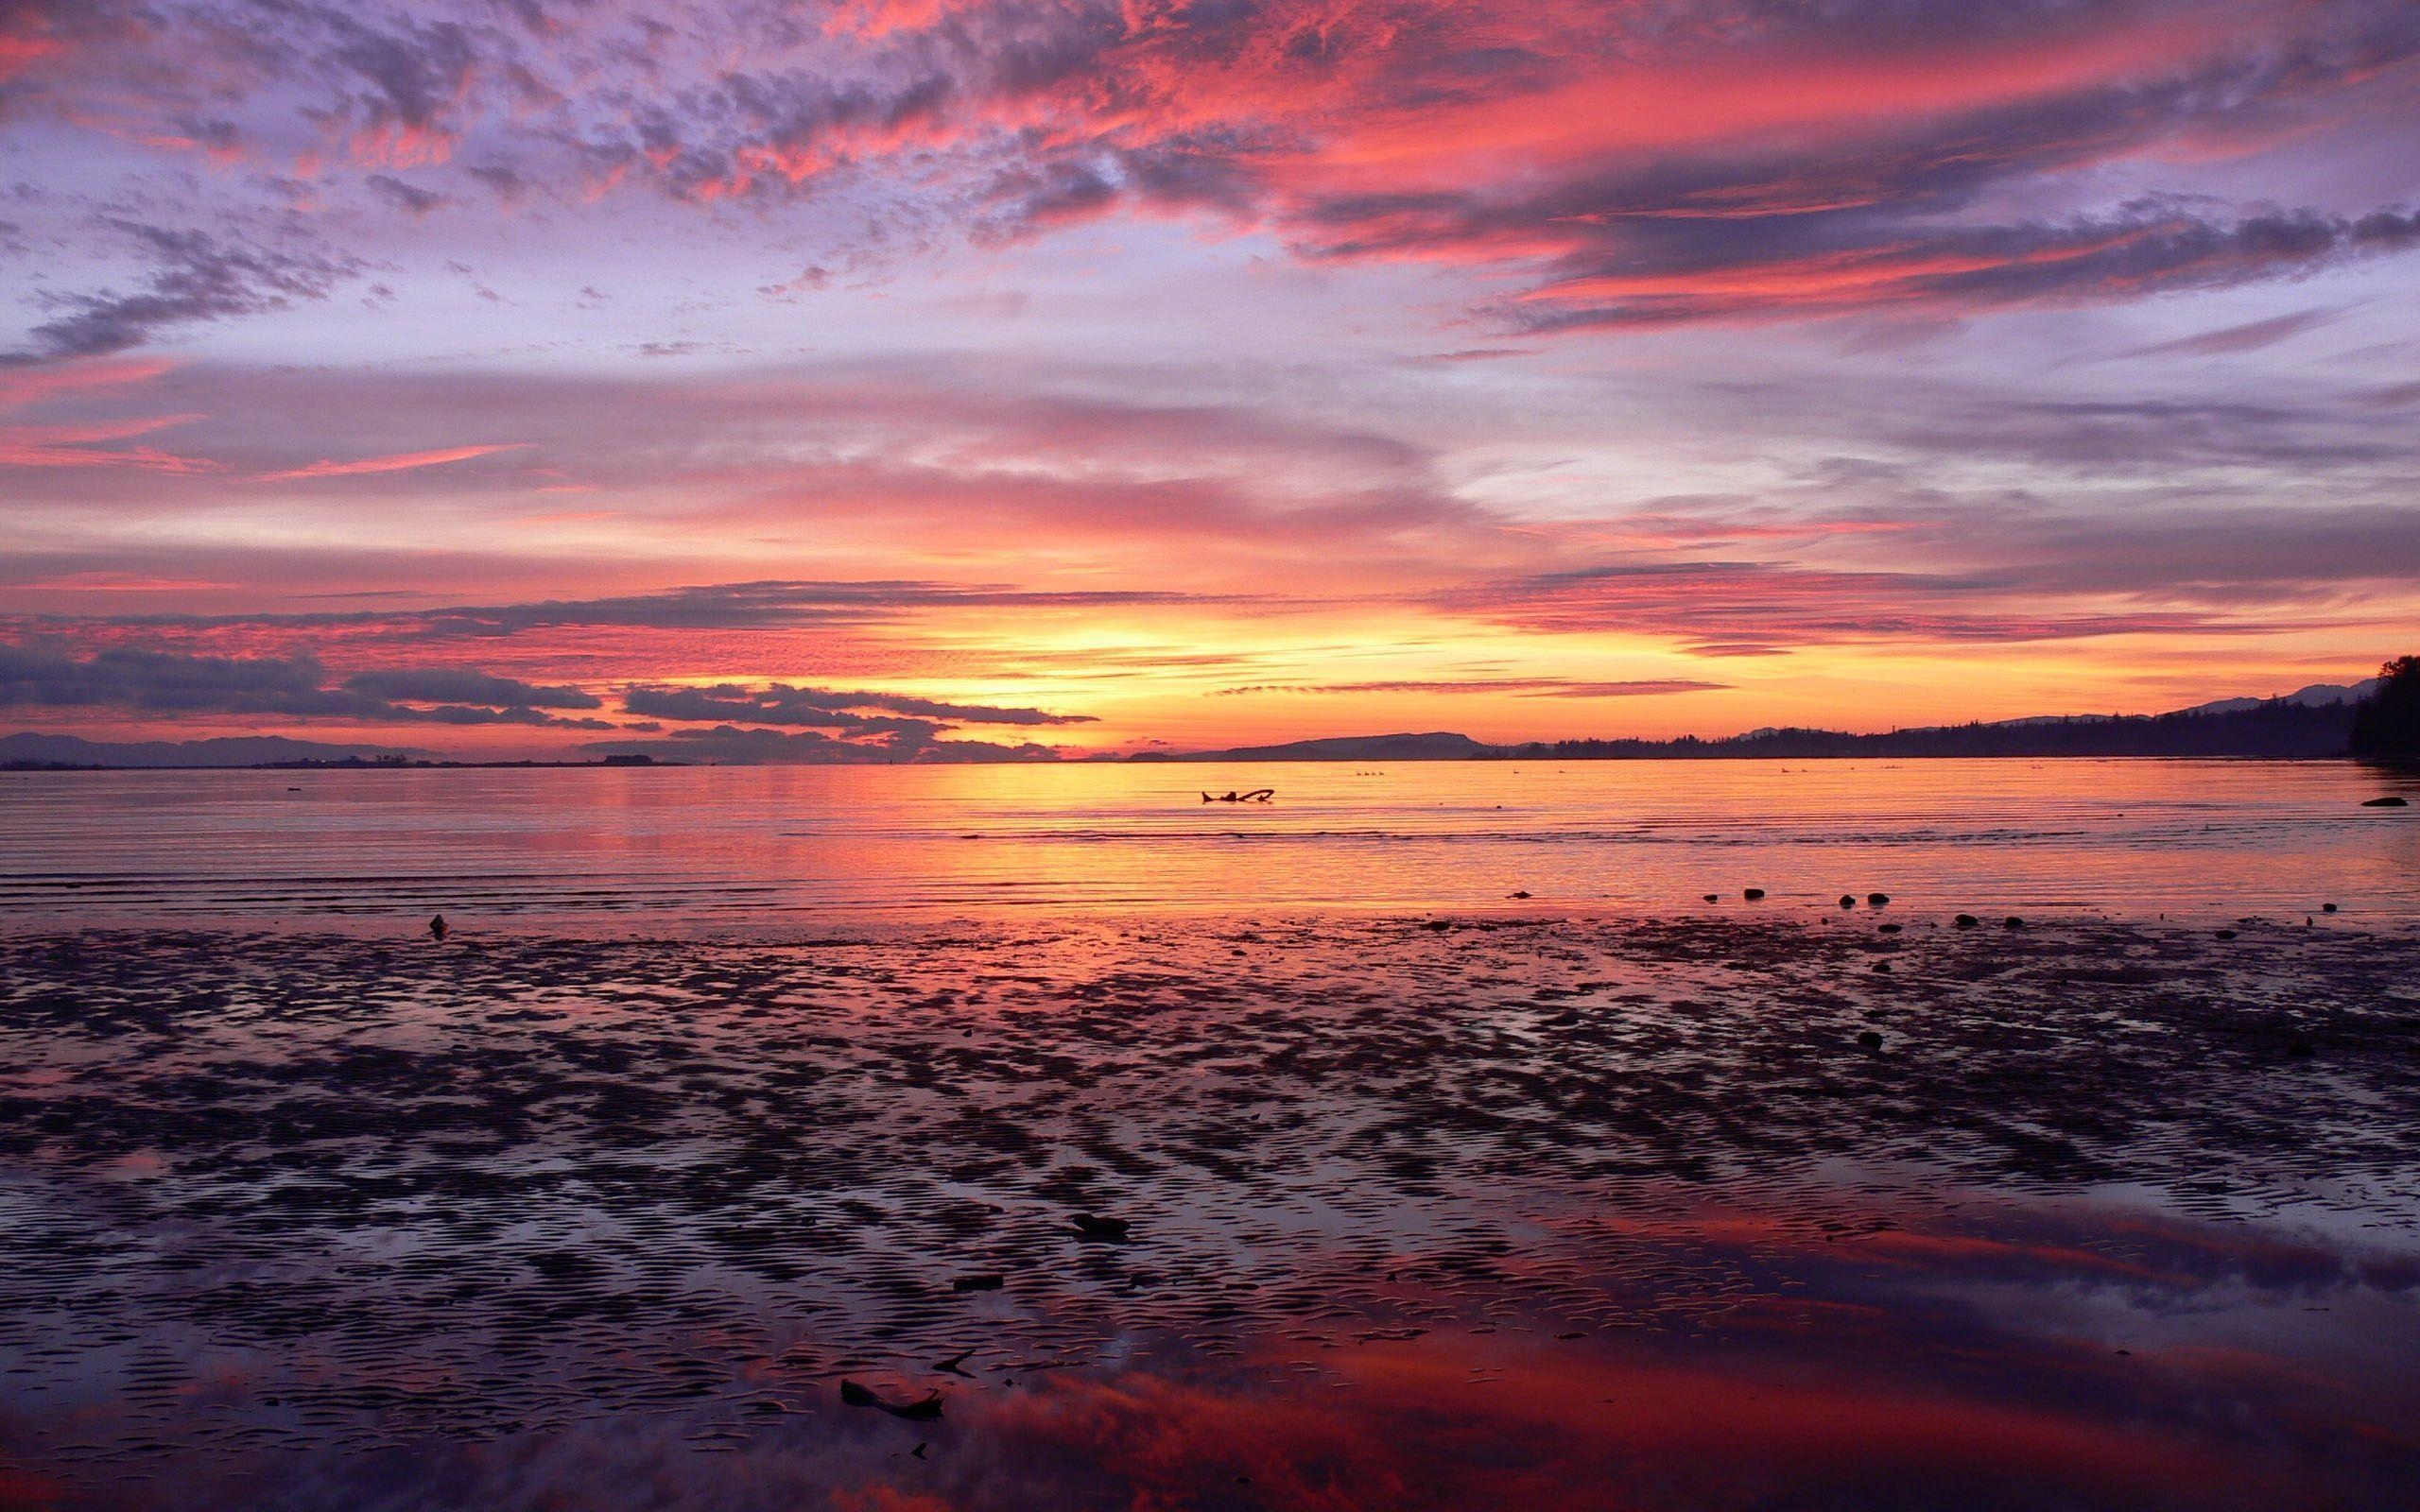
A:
(1601, 1212)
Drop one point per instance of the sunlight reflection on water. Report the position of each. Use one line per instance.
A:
(723, 849)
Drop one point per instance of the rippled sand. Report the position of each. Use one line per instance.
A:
(1420, 1212)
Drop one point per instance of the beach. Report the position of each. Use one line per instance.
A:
(1733, 1206)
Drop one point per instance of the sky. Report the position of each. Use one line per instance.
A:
(962, 379)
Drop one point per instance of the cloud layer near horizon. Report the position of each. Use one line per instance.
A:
(859, 725)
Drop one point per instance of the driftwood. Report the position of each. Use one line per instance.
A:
(1258, 794)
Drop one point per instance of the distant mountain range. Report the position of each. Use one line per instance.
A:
(2318, 696)
(1437, 746)
(2313, 721)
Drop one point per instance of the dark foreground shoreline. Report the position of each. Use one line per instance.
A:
(1566, 1212)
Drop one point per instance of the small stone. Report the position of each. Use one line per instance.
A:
(925, 1409)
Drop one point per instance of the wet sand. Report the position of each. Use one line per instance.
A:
(1420, 1211)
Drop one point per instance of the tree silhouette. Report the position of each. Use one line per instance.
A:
(2387, 721)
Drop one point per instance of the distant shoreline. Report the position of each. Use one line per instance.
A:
(1208, 758)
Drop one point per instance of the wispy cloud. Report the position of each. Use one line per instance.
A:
(192, 276)
(402, 462)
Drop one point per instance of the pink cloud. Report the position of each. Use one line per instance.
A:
(86, 446)
(401, 462)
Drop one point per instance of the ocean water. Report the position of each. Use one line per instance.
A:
(736, 850)
(679, 1178)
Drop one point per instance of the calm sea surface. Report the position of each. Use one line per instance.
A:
(736, 848)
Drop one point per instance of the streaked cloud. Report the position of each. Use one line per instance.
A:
(821, 707)
(406, 462)
(163, 682)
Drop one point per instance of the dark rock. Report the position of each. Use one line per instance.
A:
(986, 1282)
(1713, 897)
(1520, 895)
(1752, 894)
(2226, 933)
(1869, 1038)
(2012, 922)
(925, 1409)
(1093, 1226)
(1876, 900)
(2387, 802)
(2327, 908)
(1848, 901)
(1890, 929)
(1966, 921)
(437, 927)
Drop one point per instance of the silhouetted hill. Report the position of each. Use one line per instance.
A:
(2311, 722)
(1437, 746)
(2271, 728)
(2316, 695)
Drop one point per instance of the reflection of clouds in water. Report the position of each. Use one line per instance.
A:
(762, 850)
(1846, 1406)
(514, 1218)
(1422, 1426)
